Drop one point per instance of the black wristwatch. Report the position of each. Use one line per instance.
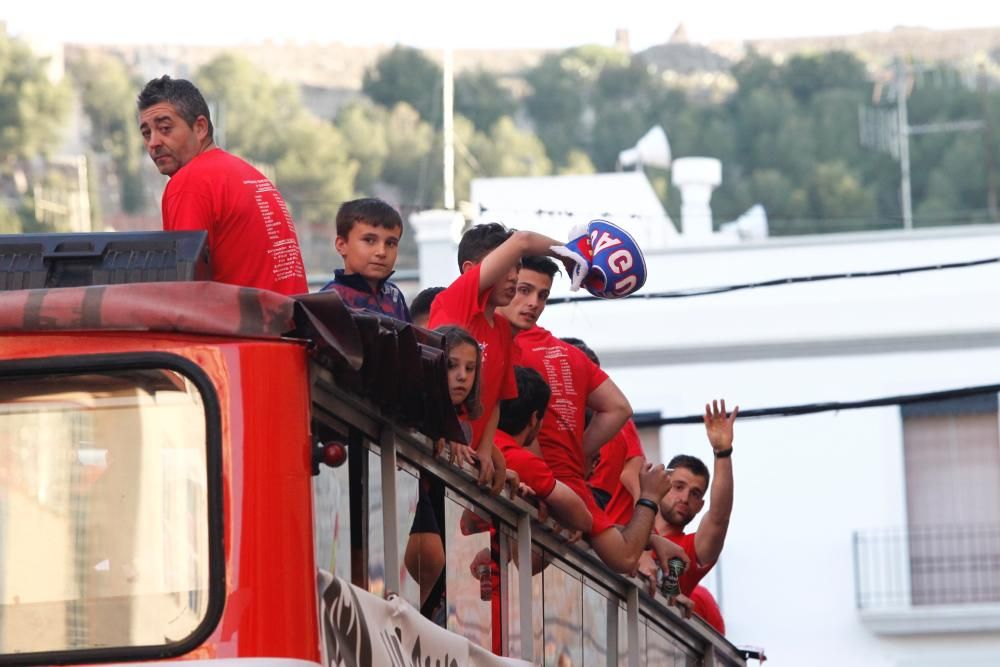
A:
(723, 453)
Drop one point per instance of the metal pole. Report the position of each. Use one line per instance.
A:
(904, 146)
(991, 171)
(632, 616)
(525, 598)
(612, 655)
(389, 522)
(448, 130)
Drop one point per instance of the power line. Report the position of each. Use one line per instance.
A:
(776, 282)
(834, 406)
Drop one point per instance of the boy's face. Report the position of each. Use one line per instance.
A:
(505, 288)
(369, 251)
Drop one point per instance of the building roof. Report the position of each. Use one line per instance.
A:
(552, 205)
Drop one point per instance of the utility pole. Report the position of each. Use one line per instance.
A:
(991, 171)
(448, 129)
(884, 131)
(904, 147)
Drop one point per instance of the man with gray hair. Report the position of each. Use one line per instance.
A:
(251, 236)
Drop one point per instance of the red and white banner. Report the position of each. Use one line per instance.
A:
(363, 630)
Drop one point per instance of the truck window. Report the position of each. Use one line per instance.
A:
(104, 517)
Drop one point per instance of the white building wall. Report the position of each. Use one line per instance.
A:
(805, 484)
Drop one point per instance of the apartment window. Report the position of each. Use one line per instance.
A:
(952, 463)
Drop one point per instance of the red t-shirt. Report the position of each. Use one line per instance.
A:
(530, 468)
(608, 471)
(462, 304)
(571, 377)
(601, 521)
(694, 572)
(706, 607)
(251, 236)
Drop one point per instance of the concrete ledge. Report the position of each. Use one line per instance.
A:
(939, 619)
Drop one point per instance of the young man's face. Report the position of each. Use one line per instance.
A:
(685, 498)
(529, 300)
(170, 141)
(369, 251)
(503, 291)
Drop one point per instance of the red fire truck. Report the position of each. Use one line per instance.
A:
(197, 471)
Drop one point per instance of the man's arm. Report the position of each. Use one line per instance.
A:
(630, 475)
(711, 535)
(489, 476)
(611, 411)
(508, 254)
(569, 508)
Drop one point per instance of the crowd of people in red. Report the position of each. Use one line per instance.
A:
(543, 417)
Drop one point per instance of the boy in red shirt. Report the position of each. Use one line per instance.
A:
(520, 420)
(251, 236)
(577, 384)
(488, 258)
(614, 480)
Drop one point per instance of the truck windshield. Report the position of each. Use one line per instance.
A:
(104, 536)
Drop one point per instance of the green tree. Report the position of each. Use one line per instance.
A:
(806, 75)
(413, 163)
(560, 102)
(624, 100)
(481, 98)
(32, 112)
(510, 151)
(363, 127)
(32, 108)
(838, 196)
(405, 74)
(577, 162)
(107, 94)
(267, 123)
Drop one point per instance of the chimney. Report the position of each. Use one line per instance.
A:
(436, 248)
(696, 177)
(622, 41)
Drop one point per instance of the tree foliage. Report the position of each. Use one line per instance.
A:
(32, 108)
(107, 94)
(405, 74)
(267, 123)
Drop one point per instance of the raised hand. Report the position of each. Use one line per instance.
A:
(719, 426)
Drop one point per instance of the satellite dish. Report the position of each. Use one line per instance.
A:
(652, 150)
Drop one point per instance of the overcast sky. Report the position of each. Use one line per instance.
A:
(473, 23)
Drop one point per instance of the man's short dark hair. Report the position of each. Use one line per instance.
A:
(583, 347)
(533, 395)
(480, 241)
(542, 265)
(369, 210)
(186, 98)
(692, 463)
(421, 304)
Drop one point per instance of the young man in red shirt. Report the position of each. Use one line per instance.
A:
(251, 236)
(686, 498)
(614, 480)
(576, 384)
(520, 421)
(489, 257)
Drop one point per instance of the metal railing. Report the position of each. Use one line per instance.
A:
(611, 621)
(899, 568)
